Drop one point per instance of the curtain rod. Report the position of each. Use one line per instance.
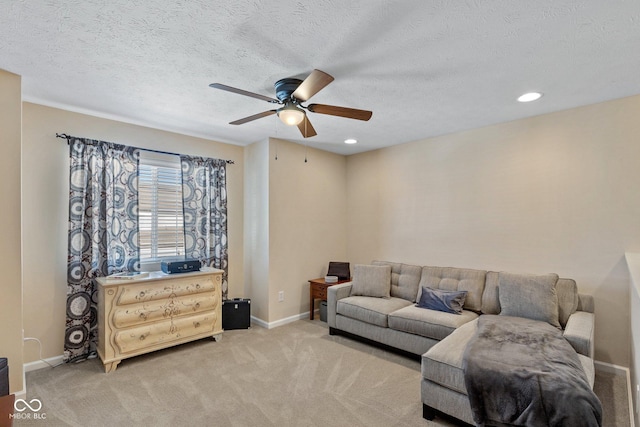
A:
(67, 137)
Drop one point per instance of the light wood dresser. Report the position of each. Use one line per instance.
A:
(156, 312)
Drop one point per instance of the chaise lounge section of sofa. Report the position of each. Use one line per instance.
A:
(380, 305)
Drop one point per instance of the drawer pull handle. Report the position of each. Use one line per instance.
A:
(197, 324)
(197, 305)
(197, 285)
(143, 316)
(141, 294)
(142, 337)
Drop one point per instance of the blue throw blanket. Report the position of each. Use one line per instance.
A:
(521, 372)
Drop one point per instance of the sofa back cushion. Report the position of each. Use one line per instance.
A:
(456, 279)
(566, 290)
(405, 279)
(529, 296)
(371, 281)
(490, 300)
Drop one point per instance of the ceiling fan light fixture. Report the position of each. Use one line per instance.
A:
(350, 141)
(291, 115)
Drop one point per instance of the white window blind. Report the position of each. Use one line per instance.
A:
(160, 213)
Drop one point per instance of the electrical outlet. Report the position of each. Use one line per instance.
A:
(280, 296)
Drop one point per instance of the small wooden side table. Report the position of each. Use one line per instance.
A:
(318, 290)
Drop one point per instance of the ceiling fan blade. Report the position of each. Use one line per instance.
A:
(306, 129)
(332, 110)
(243, 92)
(254, 117)
(313, 84)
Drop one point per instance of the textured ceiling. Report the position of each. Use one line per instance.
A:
(424, 68)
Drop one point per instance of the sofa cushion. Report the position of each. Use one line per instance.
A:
(456, 279)
(370, 310)
(567, 290)
(371, 281)
(589, 369)
(490, 300)
(441, 300)
(529, 296)
(428, 323)
(405, 279)
(442, 364)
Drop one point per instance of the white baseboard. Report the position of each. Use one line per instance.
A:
(610, 368)
(46, 363)
(22, 394)
(259, 322)
(271, 325)
(619, 370)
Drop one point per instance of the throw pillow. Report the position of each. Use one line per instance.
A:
(529, 296)
(371, 281)
(438, 299)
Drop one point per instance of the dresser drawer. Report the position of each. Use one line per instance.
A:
(320, 293)
(162, 289)
(135, 314)
(163, 332)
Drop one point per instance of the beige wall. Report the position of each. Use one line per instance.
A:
(553, 193)
(10, 244)
(295, 223)
(307, 222)
(256, 231)
(363, 189)
(45, 209)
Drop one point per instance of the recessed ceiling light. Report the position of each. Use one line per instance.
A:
(350, 141)
(528, 97)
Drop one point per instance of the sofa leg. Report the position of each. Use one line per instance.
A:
(428, 413)
(333, 331)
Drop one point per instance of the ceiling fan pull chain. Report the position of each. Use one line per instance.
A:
(305, 144)
(276, 132)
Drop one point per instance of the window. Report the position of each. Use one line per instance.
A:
(160, 213)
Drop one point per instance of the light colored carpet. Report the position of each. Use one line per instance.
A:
(293, 375)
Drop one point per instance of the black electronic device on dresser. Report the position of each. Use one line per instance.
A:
(185, 266)
(236, 314)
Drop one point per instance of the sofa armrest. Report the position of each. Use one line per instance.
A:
(335, 293)
(580, 332)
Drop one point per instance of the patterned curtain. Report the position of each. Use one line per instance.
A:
(204, 192)
(103, 232)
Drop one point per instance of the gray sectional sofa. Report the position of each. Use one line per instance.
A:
(390, 316)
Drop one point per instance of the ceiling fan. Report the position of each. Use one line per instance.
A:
(291, 93)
